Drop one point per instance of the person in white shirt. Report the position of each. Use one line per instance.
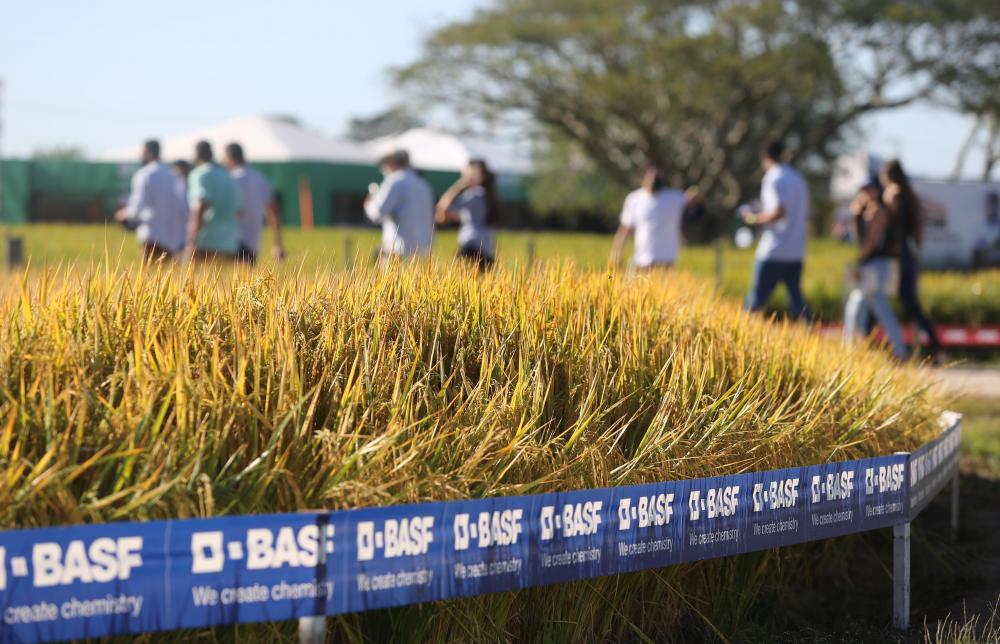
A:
(259, 203)
(404, 206)
(784, 216)
(652, 214)
(154, 208)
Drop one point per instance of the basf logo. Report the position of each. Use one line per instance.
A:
(777, 495)
(497, 528)
(406, 537)
(884, 479)
(101, 560)
(716, 502)
(645, 511)
(575, 520)
(834, 487)
(262, 548)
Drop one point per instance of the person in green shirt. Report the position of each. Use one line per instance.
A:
(213, 230)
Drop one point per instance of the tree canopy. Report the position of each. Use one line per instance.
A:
(392, 121)
(608, 86)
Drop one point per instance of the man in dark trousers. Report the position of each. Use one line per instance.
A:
(784, 215)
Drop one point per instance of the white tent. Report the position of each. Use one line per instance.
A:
(264, 138)
(434, 149)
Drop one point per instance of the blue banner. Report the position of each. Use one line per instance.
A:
(91, 581)
(933, 464)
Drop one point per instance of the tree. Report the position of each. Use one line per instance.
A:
(568, 184)
(392, 121)
(971, 84)
(58, 153)
(985, 132)
(963, 58)
(696, 85)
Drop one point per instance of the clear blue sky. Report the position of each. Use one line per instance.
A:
(101, 74)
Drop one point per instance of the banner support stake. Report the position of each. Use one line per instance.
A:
(954, 508)
(901, 576)
(312, 630)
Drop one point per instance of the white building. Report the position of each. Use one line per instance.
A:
(264, 139)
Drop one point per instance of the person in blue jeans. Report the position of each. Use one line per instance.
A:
(878, 236)
(784, 215)
(904, 207)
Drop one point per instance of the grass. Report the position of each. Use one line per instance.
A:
(948, 297)
(966, 629)
(148, 392)
(960, 628)
(981, 434)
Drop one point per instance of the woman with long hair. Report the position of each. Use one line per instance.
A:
(472, 202)
(876, 232)
(904, 207)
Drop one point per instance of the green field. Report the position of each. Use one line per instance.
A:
(981, 434)
(949, 297)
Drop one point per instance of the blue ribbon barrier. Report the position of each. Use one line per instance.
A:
(934, 464)
(126, 578)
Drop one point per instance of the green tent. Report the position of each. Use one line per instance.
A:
(319, 180)
(91, 191)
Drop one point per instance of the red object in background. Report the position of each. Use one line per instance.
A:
(952, 335)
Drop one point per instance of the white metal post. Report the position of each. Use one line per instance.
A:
(901, 576)
(312, 630)
(954, 507)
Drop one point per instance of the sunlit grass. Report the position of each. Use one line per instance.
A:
(125, 386)
(948, 297)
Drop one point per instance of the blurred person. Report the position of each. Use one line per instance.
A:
(878, 238)
(181, 170)
(697, 223)
(258, 204)
(214, 199)
(906, 213)
(652, 215)
(987, 248)
(404, 206)
(841, 231)
(154, 208)
(472, 202)
(784, 215)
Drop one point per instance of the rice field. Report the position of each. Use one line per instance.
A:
(972, 298)
(134, 392)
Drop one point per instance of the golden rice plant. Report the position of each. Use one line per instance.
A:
(146, 392)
